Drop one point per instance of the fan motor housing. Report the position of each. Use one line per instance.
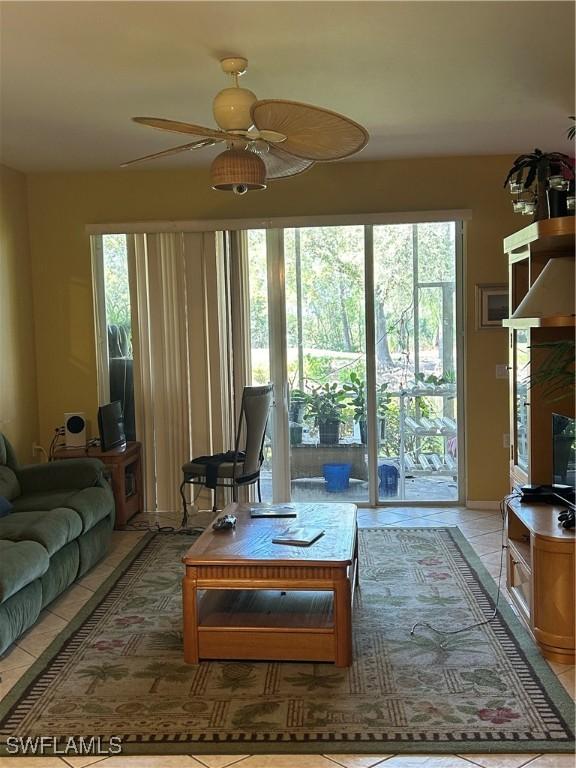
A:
(231, 108)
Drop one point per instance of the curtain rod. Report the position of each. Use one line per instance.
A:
(282, 222)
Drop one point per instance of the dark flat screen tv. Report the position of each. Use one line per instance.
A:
(111, 426)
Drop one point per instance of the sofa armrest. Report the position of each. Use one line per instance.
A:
(60, 475)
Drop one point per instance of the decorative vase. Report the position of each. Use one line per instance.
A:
(557, 203)
(363, 432)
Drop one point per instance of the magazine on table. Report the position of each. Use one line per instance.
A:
(298, 537)
(273, 510)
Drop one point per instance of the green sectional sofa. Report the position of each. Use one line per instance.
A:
(56, 520)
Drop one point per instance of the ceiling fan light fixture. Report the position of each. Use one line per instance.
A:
(238, 171)
(265, 139)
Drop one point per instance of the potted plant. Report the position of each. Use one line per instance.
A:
(324, 409)
(355, 388)
(298, 402)
(550, 173)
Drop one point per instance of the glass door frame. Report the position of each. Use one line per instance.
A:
(281, 483)
(275, 270)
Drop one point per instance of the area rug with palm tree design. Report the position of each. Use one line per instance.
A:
(118, 669)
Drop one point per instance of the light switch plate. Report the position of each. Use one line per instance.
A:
(501, 371)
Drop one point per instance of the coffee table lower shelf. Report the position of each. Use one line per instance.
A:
(295, 625)
(271, 621)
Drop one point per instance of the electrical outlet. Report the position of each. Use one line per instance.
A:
(501, 371)
(505, 440)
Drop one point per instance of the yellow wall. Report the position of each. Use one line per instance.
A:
(61, 204)
(18, 397)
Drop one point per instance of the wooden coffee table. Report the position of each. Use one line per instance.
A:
(247, 598)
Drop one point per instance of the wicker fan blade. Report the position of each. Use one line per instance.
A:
(174, 151)
(311, 132)
(280, 164)
(178, 127)
(272, 136)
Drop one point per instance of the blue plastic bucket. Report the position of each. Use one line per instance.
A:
(337, 476)
(389, 476)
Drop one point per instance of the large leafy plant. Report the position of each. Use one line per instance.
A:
(355, 389)
(326, 403)
(539, 166)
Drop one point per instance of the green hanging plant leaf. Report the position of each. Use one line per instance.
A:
(555, 374)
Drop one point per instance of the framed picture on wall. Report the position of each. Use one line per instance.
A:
(491, 305)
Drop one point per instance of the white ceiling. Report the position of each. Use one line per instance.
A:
(425, 78)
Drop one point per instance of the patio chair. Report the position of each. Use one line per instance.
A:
(238, 467)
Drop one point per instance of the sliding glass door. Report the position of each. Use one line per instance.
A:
(356, 326)
(416, 361)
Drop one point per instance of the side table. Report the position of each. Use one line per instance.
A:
(125, 467)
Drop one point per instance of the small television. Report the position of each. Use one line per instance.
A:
(563, 450)
(111, 426)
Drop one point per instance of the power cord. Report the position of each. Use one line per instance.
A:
(162, 529)
(58, 432)
(156, 528)
(504, 515)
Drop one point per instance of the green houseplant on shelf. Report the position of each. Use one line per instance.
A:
(355, 389)
(545, 179)
(325, 408)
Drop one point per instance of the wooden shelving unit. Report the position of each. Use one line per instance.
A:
(541, 576)
(541, 553)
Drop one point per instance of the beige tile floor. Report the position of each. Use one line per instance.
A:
(481, 528)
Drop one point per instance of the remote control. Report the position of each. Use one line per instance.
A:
(224, 523)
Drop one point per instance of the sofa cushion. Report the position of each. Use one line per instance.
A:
(60, 475)
(34, 502)
(19, 612)
(92, 504)
(9, 485)
(53, 529)
(21, 562)
(64, 566)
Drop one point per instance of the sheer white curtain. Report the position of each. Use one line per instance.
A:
(178, 292)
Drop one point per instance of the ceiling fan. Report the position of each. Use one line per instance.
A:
(265, 139)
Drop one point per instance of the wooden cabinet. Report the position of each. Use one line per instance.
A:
(541, 576)
(531, 408)
(125, 471)
(541, 553)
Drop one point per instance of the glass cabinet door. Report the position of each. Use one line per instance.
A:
(520, 371)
